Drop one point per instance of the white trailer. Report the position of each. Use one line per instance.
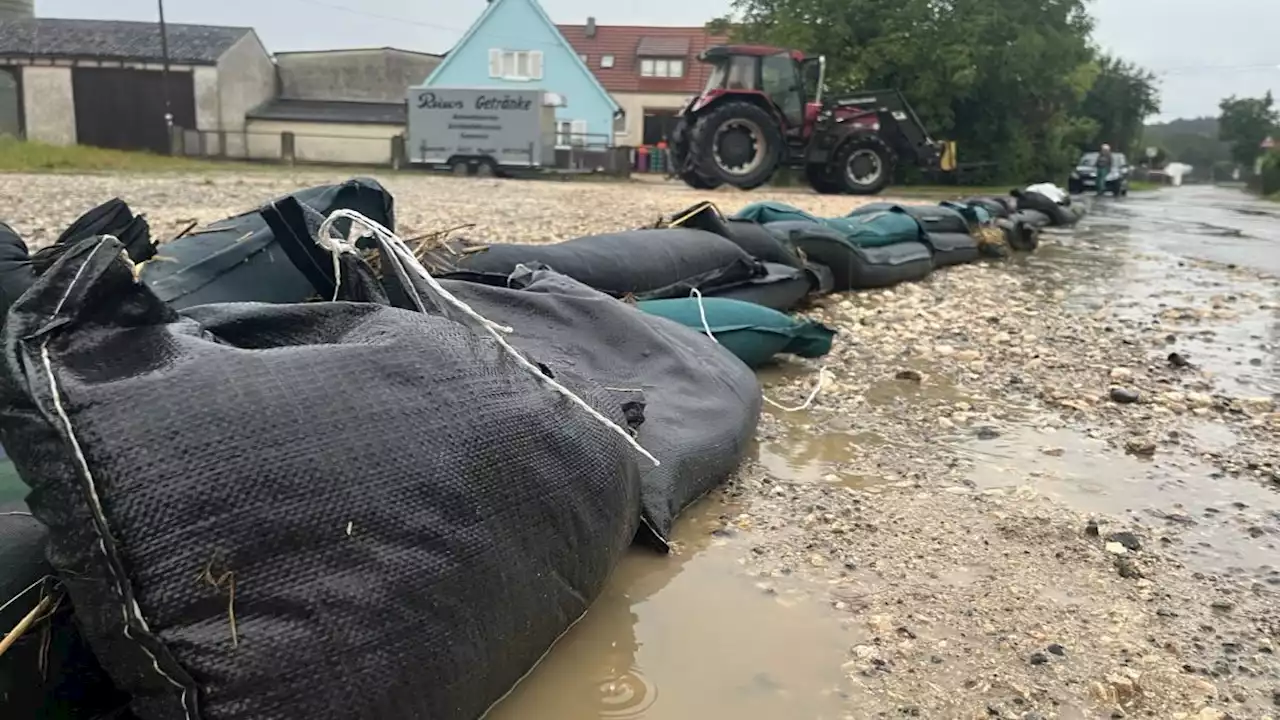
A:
(481, 130)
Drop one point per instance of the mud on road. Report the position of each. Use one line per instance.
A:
(1046, 488)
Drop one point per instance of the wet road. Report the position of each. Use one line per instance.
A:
(1219, 225)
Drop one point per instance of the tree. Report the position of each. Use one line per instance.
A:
(1120, 100)
(1003, 78)
(1246, 123)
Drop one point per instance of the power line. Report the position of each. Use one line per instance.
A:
(524, 42)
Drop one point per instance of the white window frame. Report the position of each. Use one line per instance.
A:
(662, 68)
(606, 61)
(516, 65)
(570, 133)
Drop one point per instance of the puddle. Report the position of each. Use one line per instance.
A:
(690, 636)
(1136, 258)
(810, 456)
(1225, 520)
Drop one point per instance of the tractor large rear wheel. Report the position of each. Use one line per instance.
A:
(864, 165)
(738, 144)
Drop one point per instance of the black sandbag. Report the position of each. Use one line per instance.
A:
(701, 402)
(953, 248)
(1019, 234)
(858, 268)
(824, 282)
(750, 236)
(999, 206)
(16, 271)
(113, 217)
(49, 673)
(1034, 218)
(408, 516)
(647, 264)
(239, 260)
(782, 288)
(932, 218)
(1059, 216)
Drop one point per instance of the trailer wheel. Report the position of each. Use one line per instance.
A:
(864, 165)
(821, 181)
(738, 144)
(460, 168)
(485, 169)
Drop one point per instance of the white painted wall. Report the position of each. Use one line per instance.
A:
(49, 105)
(338, 143)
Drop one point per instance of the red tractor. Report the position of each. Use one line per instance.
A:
(763, 108)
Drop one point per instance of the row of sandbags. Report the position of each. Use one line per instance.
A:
(377, 503)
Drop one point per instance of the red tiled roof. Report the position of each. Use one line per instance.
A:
(623, 43)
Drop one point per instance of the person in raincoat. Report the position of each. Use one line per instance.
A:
(1104, 165)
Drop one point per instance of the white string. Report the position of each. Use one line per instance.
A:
(13, 513)
(813, 394)
(407, 257)
(24, 591)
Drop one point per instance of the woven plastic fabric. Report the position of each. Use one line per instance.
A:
(332, 510)
(648, 264)
(701, 403)
(239, 259)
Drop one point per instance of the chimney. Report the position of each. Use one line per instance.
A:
(591, 27)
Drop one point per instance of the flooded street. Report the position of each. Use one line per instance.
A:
(967, 522)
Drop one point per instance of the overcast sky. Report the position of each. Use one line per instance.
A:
(1203, 50)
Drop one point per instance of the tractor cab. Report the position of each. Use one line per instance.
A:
(783, 80)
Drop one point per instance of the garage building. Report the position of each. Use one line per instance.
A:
(102, 82)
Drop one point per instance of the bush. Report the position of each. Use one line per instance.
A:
(1269, 179)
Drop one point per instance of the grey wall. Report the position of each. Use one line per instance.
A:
(246, 79)
(381, 75)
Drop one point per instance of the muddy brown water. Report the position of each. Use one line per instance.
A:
(690, 636)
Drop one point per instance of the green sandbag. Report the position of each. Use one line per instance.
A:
(864, 229)
(767, 212)
(877, 229)
(754, 333)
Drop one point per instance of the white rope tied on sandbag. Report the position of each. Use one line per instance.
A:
(405, 256)
(813, 394)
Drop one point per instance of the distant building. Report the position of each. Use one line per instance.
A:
(513, 44)
(100, 82)
(650, 71)
(341, 106)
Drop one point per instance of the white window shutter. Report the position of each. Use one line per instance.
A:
(535, 65)
(495, 63)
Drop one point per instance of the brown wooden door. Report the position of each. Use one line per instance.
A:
(124, 109)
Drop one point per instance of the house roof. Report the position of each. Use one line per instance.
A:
(331, 111)
(116, 40)
(334, 51)
(492, 7)
(627, 43)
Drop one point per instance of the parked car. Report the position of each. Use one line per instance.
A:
(1085, 177)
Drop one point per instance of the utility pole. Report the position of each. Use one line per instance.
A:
(164, 73)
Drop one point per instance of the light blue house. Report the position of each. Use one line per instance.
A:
(515, 45)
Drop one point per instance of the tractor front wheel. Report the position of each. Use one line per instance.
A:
(738, 144)
(698, 182)
(864, 165)
(821, 180)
